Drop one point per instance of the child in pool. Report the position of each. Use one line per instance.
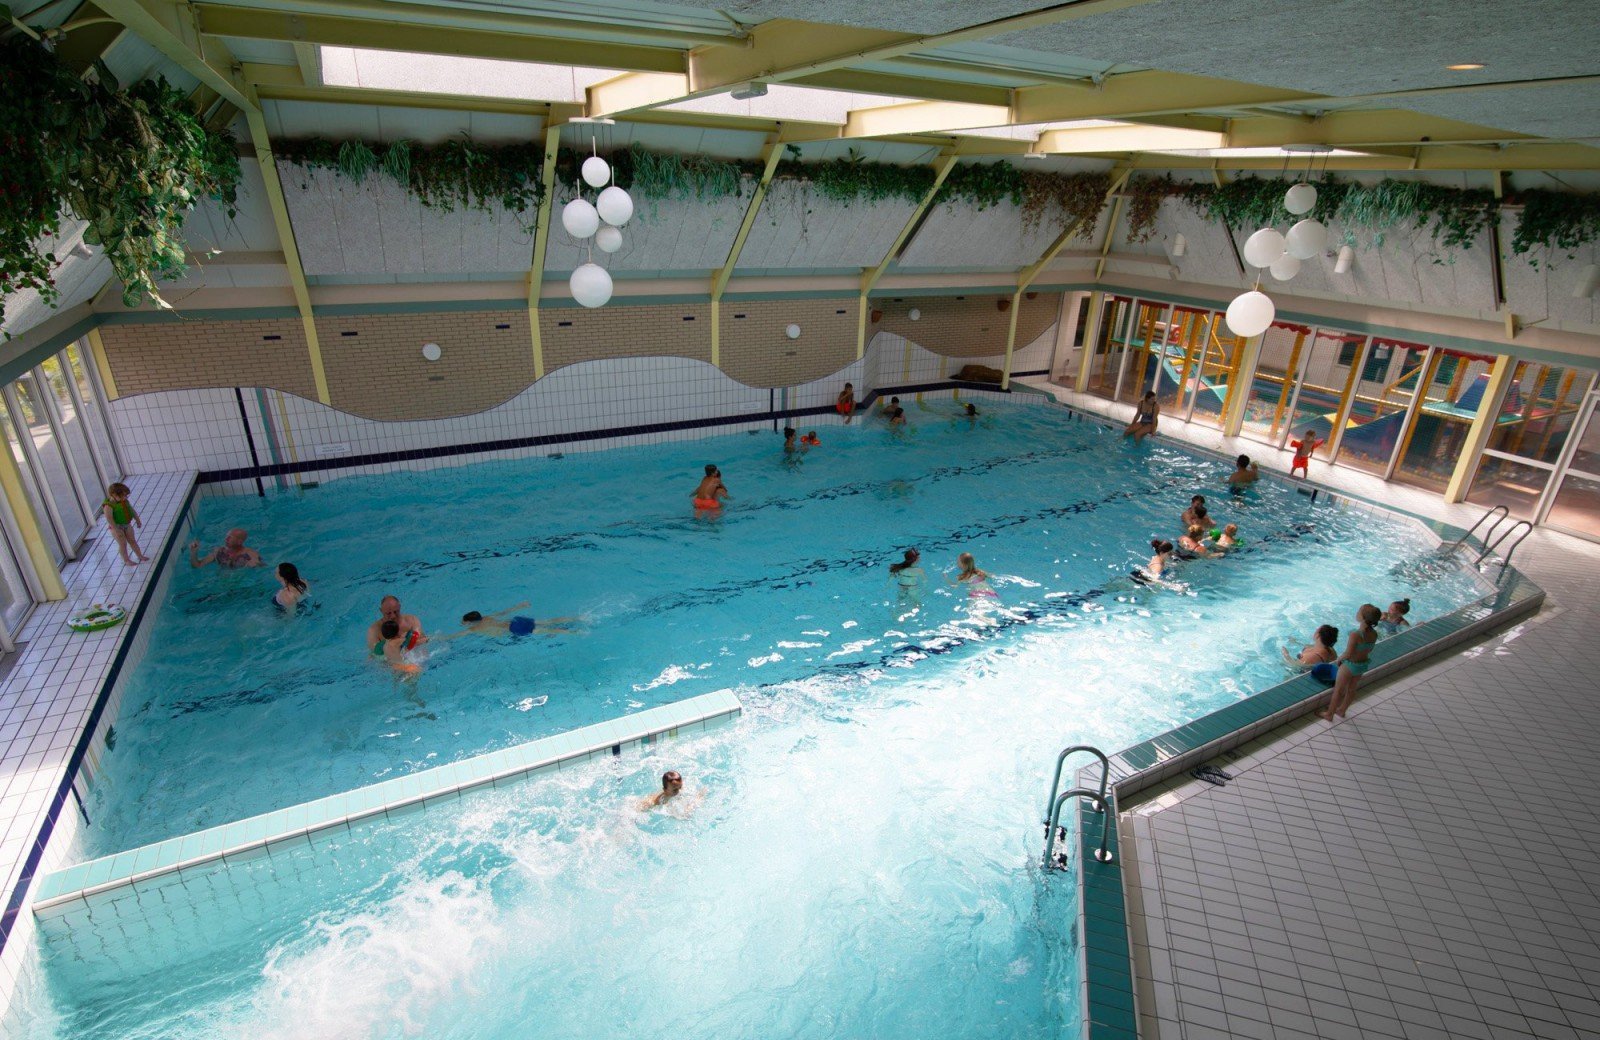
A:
(292, 588)
(976, 581)
(1227, 538)
(712, 492)
(508, 622)
(395, 646)
(908, 573)
(1394, 619)
(1193, 543)
(811, 440)
(1158, 564)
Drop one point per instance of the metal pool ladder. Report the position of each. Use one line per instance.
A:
(1518, 531)
(1501, 513)
(1053, 831)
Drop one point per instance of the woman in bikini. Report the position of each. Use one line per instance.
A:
(1145, 418)
(1354, 662)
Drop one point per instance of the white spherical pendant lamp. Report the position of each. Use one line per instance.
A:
(1300, 199)
(1285, 267)
(591, 285)
(1250, 313)
(1306, 239)
(608, 239)
(1263, 247)
(616, 207)
(596, 172)
(579, 218)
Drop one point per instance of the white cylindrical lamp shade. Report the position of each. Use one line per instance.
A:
(1347, 256)
(1180, 245)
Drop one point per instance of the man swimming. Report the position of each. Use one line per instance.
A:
(389, 610)
(230, 554)
(712, 492)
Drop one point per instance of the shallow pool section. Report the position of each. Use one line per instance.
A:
(237, 710)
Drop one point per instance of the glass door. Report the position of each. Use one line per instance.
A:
(1110, 349)
(1574, 507)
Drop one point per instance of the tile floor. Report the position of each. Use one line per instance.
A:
(1428, 868)
(48, 693)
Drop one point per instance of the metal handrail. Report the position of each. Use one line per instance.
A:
(1505, 514)
(1523, 526)
(1055, 781)
(1053, 823)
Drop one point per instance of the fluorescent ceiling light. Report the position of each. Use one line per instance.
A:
(1126, 137)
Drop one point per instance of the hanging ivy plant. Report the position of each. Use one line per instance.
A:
(1145, 196)
(458, 174)
(854, 177)
(1555, 220)
(129, 163)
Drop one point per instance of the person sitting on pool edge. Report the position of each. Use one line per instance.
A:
(712, 491)
(1146, 417)
(230, 554)
(845, 405)
(1245, 472)
(389, 610)
(498, 624)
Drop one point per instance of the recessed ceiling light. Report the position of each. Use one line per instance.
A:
(1466, 66)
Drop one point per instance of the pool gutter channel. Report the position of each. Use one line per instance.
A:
(309, 821)
(1106, 947)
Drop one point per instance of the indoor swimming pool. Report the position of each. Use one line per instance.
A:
(855, 857)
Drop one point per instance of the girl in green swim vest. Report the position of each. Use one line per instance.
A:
(121, 517)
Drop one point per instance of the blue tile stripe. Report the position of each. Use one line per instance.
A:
(556, 439)
(80, 750)
(573, 748)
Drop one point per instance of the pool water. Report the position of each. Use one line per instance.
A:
(857, 856)
(237, 710)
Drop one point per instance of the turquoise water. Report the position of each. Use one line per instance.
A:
(861, 863)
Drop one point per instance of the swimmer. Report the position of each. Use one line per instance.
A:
(1159, 563)
(790, 445)
(1354, 662)
(671, 788)
(389, 610)
(508, 622)
(811, 440)
(885, 407)
(1394, 619)
(292, 588)
(971, 412)
(712, 492)
(230, 554)
(1193, 543)
(1196, 513)
(1227, 538)
(1319, 651)
(897, 415)
(394, 646)
(908, 574)
(1146, 417)
(976, 581)
(845, 404)
(1244, 472)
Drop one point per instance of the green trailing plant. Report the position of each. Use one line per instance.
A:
(855, 178)
(1555, 220)
(130, 163)
(457, 174)
(1144, 198)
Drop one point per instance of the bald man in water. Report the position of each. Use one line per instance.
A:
(389, 610)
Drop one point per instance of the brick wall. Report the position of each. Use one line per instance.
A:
(756, 352)
(380, 373)
(965, 326)
(574, 334)
(187, 355)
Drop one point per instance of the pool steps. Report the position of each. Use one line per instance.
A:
(309, 821)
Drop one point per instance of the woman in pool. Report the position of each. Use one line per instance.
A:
(1157, 567)
(1192, 545)
(1354, 662)
(1319, 651)
(1145, 419)
(292, 588)
(975, 580)
(908, 573)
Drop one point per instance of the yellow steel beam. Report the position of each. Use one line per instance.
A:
(291, 253)
(1129, 137)
(719, 281)
(1482, 426)
(102, 364)
(919, 117)
(1111, 235)
(869, 277)
(1136, 94)
(506, 43)
(172, 31)
(1365, 127)
(907, 84)
(556, 118)
(781, 50)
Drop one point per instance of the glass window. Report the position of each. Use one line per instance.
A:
(1180, 360)
(1110, 347)
(1212, 386)
(1505, 482)
(1437, 435)
(74, 435)
(1576, 507)
(1327, 385)
(1389, 379)
(77, 360)
(1540, 406)
(53, 472)
(30, 486)
(1266, 406)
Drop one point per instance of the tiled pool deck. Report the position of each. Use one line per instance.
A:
(51, 690)
(1428, 868)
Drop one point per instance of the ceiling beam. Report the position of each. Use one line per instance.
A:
(1131, 137)
(502, 44)
(1366, 128)
(892, 84)
(1137, 94)
(782, 50)
(172, 31)
(920, 117)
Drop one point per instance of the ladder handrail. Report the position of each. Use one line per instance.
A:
(1523, 526)
(1103, 854)
(1505, 514)
(1061, 759)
